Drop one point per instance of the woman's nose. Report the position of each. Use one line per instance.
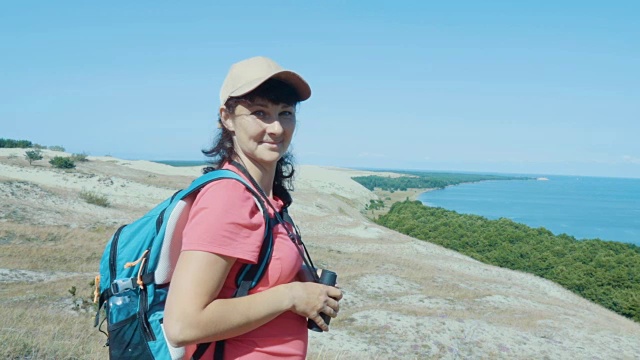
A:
(275, 127)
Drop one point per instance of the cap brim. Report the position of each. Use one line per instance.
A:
(291, 78)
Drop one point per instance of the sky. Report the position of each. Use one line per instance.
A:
(531, 87)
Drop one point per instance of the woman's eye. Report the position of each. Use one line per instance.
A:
(286, 114)
(259, 114)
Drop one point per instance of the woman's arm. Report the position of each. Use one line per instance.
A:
(192, 315)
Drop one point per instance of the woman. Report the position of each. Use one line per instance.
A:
(257, 120)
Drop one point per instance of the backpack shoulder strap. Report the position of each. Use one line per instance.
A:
(204, 179)
(286, 217)
(249, 274)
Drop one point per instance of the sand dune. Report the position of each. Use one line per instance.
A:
(404, 298)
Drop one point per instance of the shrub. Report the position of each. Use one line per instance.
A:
(374, 205)
(94, 198)
(62, 162)
(82, 157)
(38, 146)
(56, 148)
(33, 155)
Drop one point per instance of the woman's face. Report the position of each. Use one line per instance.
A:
(262, 130)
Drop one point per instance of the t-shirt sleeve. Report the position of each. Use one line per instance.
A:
(225, 220)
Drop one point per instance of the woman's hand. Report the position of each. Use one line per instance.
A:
(310, 299)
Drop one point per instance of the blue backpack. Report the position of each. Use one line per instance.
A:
(136, 269)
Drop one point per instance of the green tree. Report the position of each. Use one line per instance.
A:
(62, 162)
(33, 155)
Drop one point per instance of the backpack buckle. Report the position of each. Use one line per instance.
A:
(120, 285)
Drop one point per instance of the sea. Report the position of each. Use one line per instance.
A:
(181, 163)
(583, 207)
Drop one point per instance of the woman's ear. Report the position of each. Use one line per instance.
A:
(225, 118)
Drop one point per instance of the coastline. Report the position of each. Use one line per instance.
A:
(585, 208)
(389, 198)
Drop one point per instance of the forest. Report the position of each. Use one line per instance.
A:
(605, 272)
(425, 180)
(11, 143)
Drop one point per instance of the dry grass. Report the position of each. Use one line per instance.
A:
(94, 198)
(42, 319)
(328, 353)
(39, 322)
(52, 248)
(47, 273)
(349, 202)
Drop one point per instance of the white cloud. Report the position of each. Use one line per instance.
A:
(631, 159)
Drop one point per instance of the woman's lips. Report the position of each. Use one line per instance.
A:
(271, 144)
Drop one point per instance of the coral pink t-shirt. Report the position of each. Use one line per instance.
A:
(225, 220)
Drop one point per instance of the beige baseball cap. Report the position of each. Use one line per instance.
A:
(246, 75)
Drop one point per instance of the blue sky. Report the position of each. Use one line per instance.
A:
(486, 86)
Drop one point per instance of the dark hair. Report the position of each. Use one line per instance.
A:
(222, 151)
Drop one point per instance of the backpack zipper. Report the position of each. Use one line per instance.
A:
(114, 253)
(144, 305)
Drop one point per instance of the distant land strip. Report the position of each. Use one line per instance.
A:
(425, 180)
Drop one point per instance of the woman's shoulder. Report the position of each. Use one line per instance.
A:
(223, 212)
(227, 206)
(229, 190)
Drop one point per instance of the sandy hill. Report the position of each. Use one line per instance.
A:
(404, 298)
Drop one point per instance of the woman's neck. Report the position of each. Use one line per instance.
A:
(262, 175)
